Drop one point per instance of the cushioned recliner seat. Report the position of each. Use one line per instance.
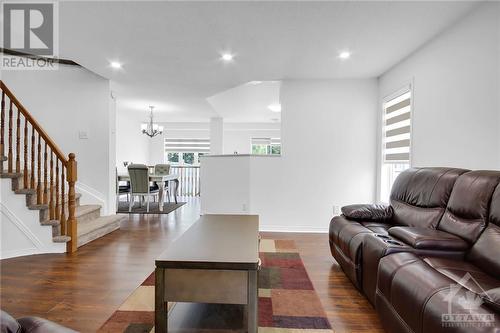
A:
(465, 217)
(418, 199)
(432, 294)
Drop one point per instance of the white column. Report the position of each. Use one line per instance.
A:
(157, 149)
(216, 136)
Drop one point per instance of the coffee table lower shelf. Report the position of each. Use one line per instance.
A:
(219, 286)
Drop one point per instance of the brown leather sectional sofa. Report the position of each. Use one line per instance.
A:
(29, 325)
(430, 261)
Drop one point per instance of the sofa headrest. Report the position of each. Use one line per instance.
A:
(468, 209)
(495, 207)
(485, 252)
(425, 187)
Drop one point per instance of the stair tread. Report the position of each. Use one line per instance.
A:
(50, 222)
(25, 191)
(61, 239)
(98, 223)
(77, 196)
(33, 191)
(38, 207)
(6, 174)
(85, 209)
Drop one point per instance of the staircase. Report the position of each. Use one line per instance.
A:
(38, 170)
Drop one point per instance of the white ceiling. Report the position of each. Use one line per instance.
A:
(170, 50)
(248, 102)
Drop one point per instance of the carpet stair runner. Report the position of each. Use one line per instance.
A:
(91, 225)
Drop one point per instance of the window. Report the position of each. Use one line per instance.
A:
(266, 146)
(396, 140)
(186, 151)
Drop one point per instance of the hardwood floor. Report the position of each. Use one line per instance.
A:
(346, 308)
(82, 290)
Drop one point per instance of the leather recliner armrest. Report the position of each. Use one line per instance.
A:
(8, 324)
(429, 239)
(40, 325)
(367, 212)
(491, 298)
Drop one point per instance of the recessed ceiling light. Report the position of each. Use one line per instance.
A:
(116, 64)
(274, 107)
(254, 83)
(344, 55)
(227, 57)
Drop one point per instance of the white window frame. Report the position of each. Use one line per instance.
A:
(408, 87)
(181, 158)
(269, 146)
(196, 161)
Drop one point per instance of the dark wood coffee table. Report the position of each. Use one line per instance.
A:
(215, 261)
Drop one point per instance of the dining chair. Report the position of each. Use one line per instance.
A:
(163, 170)
(121, 190)
(139, 185)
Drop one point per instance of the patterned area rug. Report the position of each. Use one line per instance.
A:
(287, 300)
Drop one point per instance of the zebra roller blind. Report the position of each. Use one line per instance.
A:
(266, 141)
(188, 145)
(397, 129)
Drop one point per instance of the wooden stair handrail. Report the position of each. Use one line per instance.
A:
(47, 193)
(35, 124)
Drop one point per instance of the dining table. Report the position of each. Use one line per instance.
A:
(160, 180)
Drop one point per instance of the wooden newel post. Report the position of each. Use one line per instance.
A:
(71, 177)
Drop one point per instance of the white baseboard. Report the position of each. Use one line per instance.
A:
(298, 229)
(276, 228)
(18, 253)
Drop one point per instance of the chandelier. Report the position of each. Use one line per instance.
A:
(150, 128)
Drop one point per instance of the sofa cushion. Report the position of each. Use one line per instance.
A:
(429, 239)
(464, 273)
(494, 216)
(375, 227)
(8, 324)
(367, 212)
(485, 252)
(414, 296)
(406, 282)
(446, 312)
(492, 298)
(414, 216)
(467, 212)
(419, 195)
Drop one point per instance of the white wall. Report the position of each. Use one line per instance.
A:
(456, 109)
(328, 135)
(131, 144)
(64, 102)
(20, 230)
(238, 136)
(225, 183)
(216, 135)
